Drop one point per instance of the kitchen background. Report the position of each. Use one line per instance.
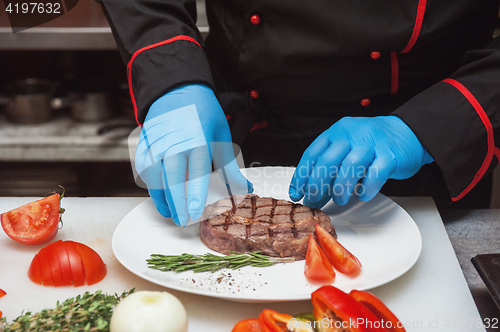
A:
(80, 141)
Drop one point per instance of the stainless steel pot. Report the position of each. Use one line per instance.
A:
(28, 100)
(87, 106)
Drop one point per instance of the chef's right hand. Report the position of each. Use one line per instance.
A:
(183, 132)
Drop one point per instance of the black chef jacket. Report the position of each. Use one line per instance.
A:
(295, 67)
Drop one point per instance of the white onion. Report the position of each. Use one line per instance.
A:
(147, 311)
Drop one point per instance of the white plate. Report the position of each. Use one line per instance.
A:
(379, 232)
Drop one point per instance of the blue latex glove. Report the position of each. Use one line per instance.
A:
(183, 132)
(372, 149)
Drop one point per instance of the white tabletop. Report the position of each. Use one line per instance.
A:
(432, 296)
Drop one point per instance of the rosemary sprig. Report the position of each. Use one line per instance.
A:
(211, 262)
(87, 312)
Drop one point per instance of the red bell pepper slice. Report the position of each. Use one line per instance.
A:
(270, 319)
(248, 325)
(353, 314)
(375, 305)
(317, 267)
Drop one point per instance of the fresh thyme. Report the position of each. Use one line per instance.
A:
(211, 262)
(87, 312)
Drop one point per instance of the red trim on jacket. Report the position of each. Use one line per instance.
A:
(136, 53)
(418, 25)
(394, 73)
(496, 152)
(492, 150)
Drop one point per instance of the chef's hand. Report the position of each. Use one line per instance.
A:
(372, 149)
(183, 132)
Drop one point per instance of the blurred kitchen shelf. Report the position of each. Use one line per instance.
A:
(65, 39)
(63, 139)
(83, 28)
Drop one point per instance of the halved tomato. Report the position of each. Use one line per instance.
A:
(34, 223)
(341, 259)
(64, 263)
(317, 267)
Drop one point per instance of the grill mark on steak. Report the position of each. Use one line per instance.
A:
(233, 208)
(247, 223)
(274, 203)
(226, 223)
(248, 231)
(292, 219)
(254, 206)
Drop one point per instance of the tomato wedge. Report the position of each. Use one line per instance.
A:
(375, 305)
(341, 259)
(247, 325)
(317, 267)
(2, 293)
(65, 263)
(34, 223)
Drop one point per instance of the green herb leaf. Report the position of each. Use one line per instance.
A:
(87, 312)
(211, 262)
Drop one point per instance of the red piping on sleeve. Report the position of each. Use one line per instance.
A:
(394, 73)
(418, 25)
(496, 152)
(492, 150)
(136, 53)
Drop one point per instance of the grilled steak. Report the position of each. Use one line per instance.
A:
(247, 223)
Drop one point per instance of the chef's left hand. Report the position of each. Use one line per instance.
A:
(372, 149)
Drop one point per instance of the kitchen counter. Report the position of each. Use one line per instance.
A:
(433, 295)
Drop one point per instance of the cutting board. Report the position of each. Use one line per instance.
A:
(432, 296)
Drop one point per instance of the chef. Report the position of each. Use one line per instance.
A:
(361, 96)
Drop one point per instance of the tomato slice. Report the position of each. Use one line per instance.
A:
(2, 293)
(247, 325)
(34, 223)
(54, 266)
(93, 266)
(376, 306)
(76, 263)
(341, 259)
(65, 263)
(34, 271)
(317, 267)
(59, 252)
(45, 268)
